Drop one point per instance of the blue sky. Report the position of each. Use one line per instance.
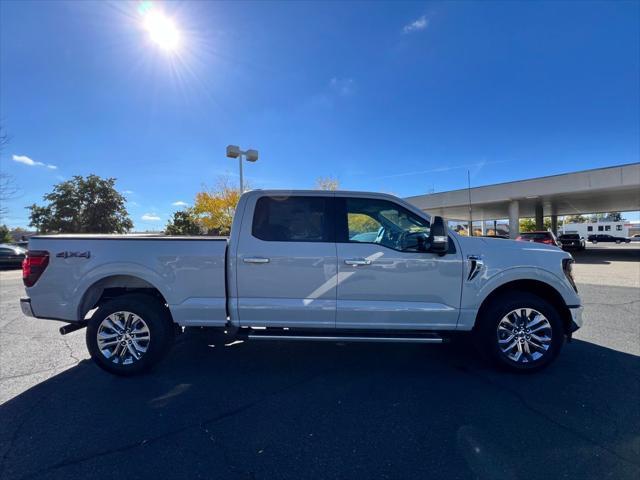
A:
(396, 97)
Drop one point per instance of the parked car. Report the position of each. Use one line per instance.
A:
(572, 241)
(11, 255)
(294, 269)
(607, 238)
(635, 238)
(546, 237)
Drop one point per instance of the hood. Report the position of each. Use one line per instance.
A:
(513, 251)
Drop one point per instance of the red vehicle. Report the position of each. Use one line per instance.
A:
(548, 238)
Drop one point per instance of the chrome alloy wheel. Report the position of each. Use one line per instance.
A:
(524, 335)
(123, 337)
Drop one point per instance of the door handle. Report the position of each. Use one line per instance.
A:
(357, 261)
(255, 260)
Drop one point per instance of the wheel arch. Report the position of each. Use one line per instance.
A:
(536, 287)
(114, 286)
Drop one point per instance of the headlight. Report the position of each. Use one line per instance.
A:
(567, 268)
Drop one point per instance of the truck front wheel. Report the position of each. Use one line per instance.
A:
(520, 332)
(129, 334)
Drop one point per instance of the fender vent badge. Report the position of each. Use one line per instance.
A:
(475, 266)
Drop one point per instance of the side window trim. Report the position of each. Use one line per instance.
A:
(341, 226)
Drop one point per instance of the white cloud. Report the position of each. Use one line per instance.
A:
(343, 86)
(417, 25)
(150, 217)
(32, 163)
(127, 192)
(179, 203)
(447, 168)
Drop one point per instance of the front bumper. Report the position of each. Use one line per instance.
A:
(25, 306)
(576, 317)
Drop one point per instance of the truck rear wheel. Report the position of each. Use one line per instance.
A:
(129, 334)
(520, 331)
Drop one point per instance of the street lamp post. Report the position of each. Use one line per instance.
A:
(233, 151)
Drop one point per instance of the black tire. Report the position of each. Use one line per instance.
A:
(158, 322)
(486, 330)
(618, 241)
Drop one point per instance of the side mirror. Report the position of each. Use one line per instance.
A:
(438, 237)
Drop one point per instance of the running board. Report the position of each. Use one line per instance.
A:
(349, 338)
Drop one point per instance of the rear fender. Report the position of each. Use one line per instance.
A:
(105, 271)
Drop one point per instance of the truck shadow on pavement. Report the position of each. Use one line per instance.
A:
(303, 410)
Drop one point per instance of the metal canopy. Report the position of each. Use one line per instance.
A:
(590, 191)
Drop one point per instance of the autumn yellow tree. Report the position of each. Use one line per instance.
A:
(360, 223)
(214, 208)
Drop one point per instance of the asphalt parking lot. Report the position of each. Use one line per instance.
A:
(287, 410)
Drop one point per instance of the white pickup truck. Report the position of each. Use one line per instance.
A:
(307, 266)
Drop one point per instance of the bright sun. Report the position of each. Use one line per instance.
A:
(162, 30)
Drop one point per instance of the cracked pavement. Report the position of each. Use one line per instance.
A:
(297, 410)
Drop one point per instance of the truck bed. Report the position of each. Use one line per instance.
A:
(189, 273)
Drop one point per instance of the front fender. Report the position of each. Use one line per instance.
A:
(475, 292)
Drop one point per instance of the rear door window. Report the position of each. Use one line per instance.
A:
(294, 219)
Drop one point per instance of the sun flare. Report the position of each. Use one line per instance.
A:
(162, 31)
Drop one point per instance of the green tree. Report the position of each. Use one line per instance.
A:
(82, 205)
(527, 225)
(576, 219)
(606, 217)
(613, 217)
(183, 222)
(5, 235)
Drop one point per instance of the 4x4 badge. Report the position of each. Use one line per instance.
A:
(86, 254)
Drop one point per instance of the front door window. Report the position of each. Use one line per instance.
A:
(385, 223)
